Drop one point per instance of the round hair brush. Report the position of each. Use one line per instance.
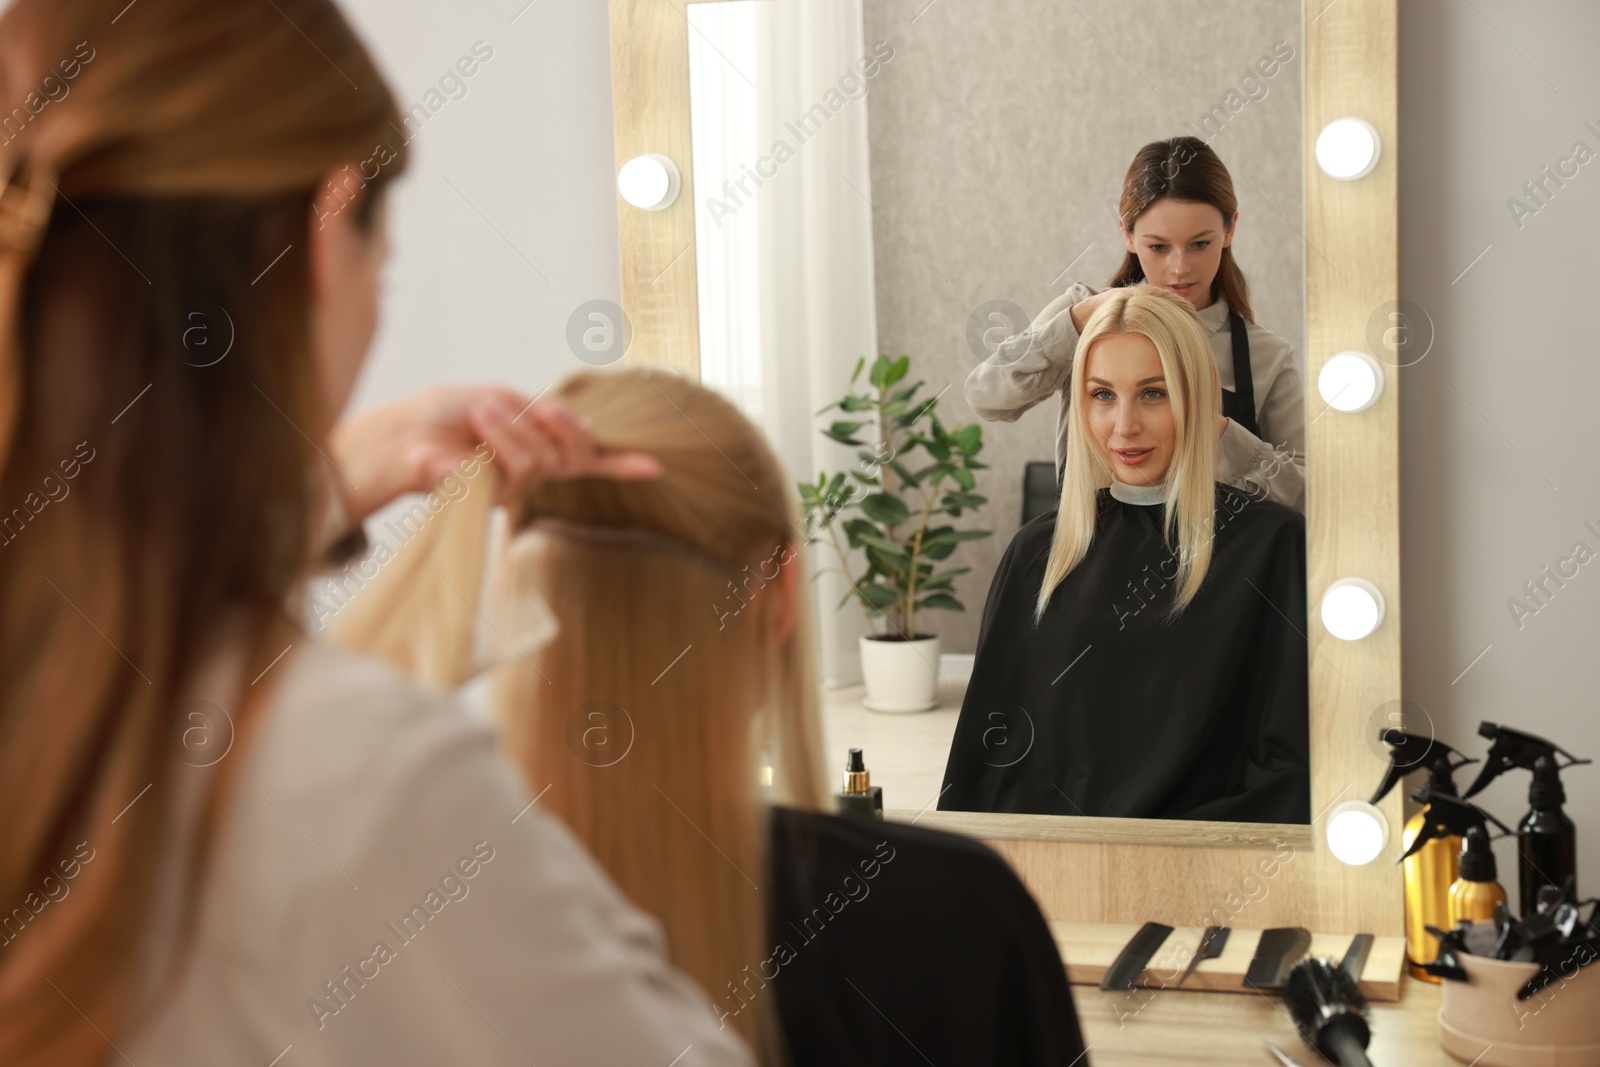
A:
(1329, 1011)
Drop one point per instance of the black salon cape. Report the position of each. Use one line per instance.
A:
(903, 945)
(1108, 708)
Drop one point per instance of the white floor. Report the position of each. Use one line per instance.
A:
(905, 752)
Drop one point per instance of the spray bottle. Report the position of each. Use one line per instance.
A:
(1431, 867)
(1547, 842)
(1474, 893)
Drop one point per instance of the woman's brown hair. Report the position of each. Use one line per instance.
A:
(1182, 168)
(158, 425)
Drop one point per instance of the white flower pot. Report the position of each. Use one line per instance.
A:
(900, 675)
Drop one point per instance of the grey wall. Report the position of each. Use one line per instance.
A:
(1000, 135)
(1498, 426)
(507, 220)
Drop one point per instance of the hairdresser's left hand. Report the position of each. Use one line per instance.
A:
(409, 446)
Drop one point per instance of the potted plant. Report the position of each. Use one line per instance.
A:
(914, 473)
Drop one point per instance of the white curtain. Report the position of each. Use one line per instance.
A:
(786, 272)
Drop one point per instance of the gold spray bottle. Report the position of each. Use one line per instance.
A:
(1430, 870)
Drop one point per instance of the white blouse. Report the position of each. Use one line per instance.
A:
(1030, 366)
(383, 892)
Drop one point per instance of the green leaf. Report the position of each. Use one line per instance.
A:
(885, 508)
(862, 362)
(844, 432)
(854, 403)
(942, 600)
(856, 529)
(960, 498)
(942, 580)
(876, 595)
(883, 543)
(880, 371)
(897, 370)
(948, 535)
(890, 563)
(964, 478)
(969, 438)
(864, 479)
(904, 395)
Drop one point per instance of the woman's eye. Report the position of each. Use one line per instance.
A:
(1155, 394)
(1156, 248)
(1201, 244)
(1100, 394)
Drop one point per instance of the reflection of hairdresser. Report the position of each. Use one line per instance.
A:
(1141, 652)
(256, 827)
(649, 719)
(1178, 216)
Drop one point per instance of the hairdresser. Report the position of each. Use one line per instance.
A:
(224, 842)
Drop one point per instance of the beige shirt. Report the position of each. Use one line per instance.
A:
(383, 892)
(1030, 366)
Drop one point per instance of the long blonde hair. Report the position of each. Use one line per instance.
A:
(651, 720)
(1171, 324)
(152, 155)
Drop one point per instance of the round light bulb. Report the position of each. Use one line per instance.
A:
(1352, 608)
(1357, 832)
(650, 181)
(1348, 148)
(1350, 381)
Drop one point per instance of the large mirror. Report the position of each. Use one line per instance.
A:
(953, 183)
(923, 196)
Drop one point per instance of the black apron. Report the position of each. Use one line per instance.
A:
(1238, 403)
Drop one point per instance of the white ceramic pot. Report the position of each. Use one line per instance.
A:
(901, 675)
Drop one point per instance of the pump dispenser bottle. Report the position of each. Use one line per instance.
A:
(1475, 894)
(1432, 869)
(859, 797)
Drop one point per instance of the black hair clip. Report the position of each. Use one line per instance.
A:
(1445, 964)
(1561, 940)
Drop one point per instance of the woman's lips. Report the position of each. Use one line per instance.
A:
(1132, 456)
(1182, 290)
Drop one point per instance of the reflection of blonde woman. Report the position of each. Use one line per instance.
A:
(1178, 219)
(651, 721)
(1148, 636)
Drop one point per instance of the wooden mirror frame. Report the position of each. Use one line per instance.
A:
(1132, 870)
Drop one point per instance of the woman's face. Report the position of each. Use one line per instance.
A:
(1179, 244)
(345, 263)
(1128, 409)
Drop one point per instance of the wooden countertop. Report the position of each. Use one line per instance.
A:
(1183, 1026)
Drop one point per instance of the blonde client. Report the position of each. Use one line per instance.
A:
(1142, 653)
(682, 747)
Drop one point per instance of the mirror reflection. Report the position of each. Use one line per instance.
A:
(1018, 293)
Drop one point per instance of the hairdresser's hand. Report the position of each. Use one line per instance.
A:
(409, 446)
(1083, 309)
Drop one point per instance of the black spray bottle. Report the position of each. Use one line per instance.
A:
(1547, 841)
